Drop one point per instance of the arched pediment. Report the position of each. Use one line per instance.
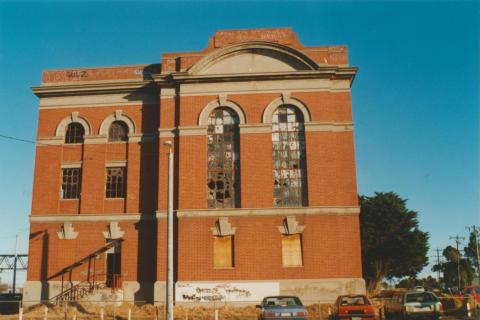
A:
(253, 57)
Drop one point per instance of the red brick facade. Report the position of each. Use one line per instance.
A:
(264, 68)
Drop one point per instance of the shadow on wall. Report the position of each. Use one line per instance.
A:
(44, 295)
(146, 228)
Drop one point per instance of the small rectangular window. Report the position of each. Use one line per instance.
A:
(116, 182)
(71, 183)
(292, 250)
(223, 252)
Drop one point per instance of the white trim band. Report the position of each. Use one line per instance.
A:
(337, 211)
(58, 218)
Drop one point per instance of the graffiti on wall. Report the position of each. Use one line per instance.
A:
(222, 292)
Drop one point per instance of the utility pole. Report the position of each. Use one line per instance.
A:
(458, 241)
(170, 286)
(438, 264)
(15, 264)
(474, 229)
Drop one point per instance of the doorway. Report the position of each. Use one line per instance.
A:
(114, 263)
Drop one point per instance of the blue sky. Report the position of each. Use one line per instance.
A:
(415, 98)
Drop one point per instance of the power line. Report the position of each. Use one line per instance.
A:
(39, 143)
(16, 139)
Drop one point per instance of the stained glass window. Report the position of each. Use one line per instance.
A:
(289, 158)
(223, 159)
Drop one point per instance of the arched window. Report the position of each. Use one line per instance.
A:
(223, 159)
(74, 133)
(118, 131)
(289, 157)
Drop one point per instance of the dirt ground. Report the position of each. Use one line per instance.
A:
(84, 311)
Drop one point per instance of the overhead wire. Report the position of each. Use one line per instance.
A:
(76, 146)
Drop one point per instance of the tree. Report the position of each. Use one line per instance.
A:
(471, 249)
(429, 283)
(392, 244)
(450, 268)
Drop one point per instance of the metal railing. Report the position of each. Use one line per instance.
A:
(77, 291)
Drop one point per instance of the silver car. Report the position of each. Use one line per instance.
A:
(413, 304)
(282, 307)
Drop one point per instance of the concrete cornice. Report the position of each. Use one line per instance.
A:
(330, 72)
(93, 87)
(58, 218)
(169, 80)
(241, 212)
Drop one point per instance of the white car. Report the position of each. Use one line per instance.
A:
(414, 304)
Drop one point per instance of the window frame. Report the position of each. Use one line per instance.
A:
(117, 137)
(66, 185)
(289, 157)
(113, 192)
(72, 138)
(223, 159)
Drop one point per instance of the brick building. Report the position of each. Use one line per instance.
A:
(264, 190)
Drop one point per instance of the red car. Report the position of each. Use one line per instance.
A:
(353, 307)
(472, 291)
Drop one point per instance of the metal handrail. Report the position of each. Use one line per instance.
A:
(78, 291)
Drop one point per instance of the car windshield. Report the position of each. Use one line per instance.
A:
(421, 297)
(282, 302)
(353, 301)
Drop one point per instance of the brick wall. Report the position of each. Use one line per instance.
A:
(330, 249)
(331, 246)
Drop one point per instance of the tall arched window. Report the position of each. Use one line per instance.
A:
(289, 157)
(118, 131)
(223, 159)
(74, 133)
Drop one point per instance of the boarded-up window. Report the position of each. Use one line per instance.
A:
(292, 250)
(223, 252)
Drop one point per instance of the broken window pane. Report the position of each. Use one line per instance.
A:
(223, 158)
(289, 160)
